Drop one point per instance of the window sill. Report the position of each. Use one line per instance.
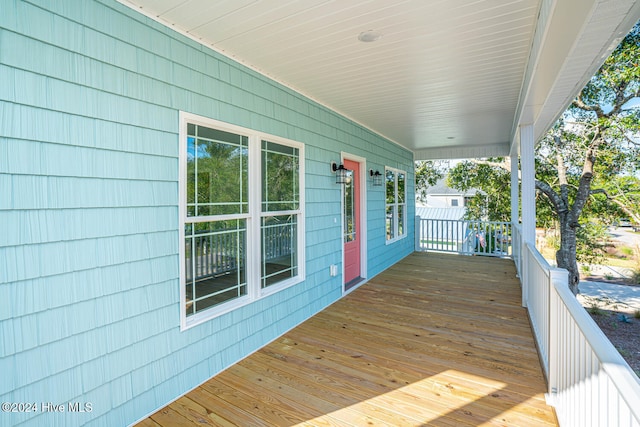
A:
(396, 239)
(213, 312)
(222, 309)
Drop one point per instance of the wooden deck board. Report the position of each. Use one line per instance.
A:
(434, 340)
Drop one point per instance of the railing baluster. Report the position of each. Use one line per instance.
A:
(208, 253)
(489, 238)
(589, 382)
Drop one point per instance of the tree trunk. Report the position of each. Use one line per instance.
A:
(566, 256)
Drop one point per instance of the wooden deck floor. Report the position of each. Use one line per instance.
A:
(434, 340)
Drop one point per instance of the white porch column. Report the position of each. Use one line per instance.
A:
(528, 188)
(527, 163)
(515, 190)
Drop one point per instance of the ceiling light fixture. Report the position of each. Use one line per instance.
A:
(369, 36)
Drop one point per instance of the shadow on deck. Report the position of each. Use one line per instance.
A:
(434, 340)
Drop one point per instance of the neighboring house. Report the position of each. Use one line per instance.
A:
(165, 210)
(441, 195)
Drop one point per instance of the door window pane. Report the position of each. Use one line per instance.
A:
(349, 209)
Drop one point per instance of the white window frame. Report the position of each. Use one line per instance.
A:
(253, 218)
(395, 205)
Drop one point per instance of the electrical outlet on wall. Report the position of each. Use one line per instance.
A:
(333, 270)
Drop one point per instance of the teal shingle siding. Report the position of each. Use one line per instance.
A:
(90, 93)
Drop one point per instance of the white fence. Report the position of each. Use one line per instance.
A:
(590, 384)
(489, 238)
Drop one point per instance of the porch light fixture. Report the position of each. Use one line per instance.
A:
(340, 171)
(376, 177)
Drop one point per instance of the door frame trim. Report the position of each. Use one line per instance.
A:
(363, 218)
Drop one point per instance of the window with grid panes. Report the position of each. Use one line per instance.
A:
(241, 215)
(395, 205)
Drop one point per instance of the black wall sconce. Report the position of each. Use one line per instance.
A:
(340, 171)
(376, 177)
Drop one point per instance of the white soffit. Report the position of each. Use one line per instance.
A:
(577, 38)
(445, 78)
(608, 23)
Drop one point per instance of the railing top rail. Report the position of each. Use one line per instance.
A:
(622, 376)
(473, 221)
(485, 222)
(537, 256)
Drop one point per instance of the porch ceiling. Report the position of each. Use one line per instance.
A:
(448, 78)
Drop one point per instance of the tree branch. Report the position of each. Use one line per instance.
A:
(600, 191)
(579, 103)
(621, 99)
(584, 185)
(622, 204)
(626, 137)
(553, 197)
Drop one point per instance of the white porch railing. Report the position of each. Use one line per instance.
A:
(536, 277)
(516, 246)
(490, 238)
(590, 384)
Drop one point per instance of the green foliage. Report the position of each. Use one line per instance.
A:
(595, 310)
(217, 172)
(280, 169)
(553, 241)
(624, 197)
(493, 202)
(591, 242)
(635, 272)
(626, 251)
(428, 173)
(620, 73)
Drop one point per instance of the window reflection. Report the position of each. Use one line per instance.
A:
(349, 209)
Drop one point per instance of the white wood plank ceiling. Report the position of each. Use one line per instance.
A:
(445, 75)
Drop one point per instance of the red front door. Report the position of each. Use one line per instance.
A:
(351, 218)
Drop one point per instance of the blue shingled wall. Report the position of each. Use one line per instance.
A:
(89, 98)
